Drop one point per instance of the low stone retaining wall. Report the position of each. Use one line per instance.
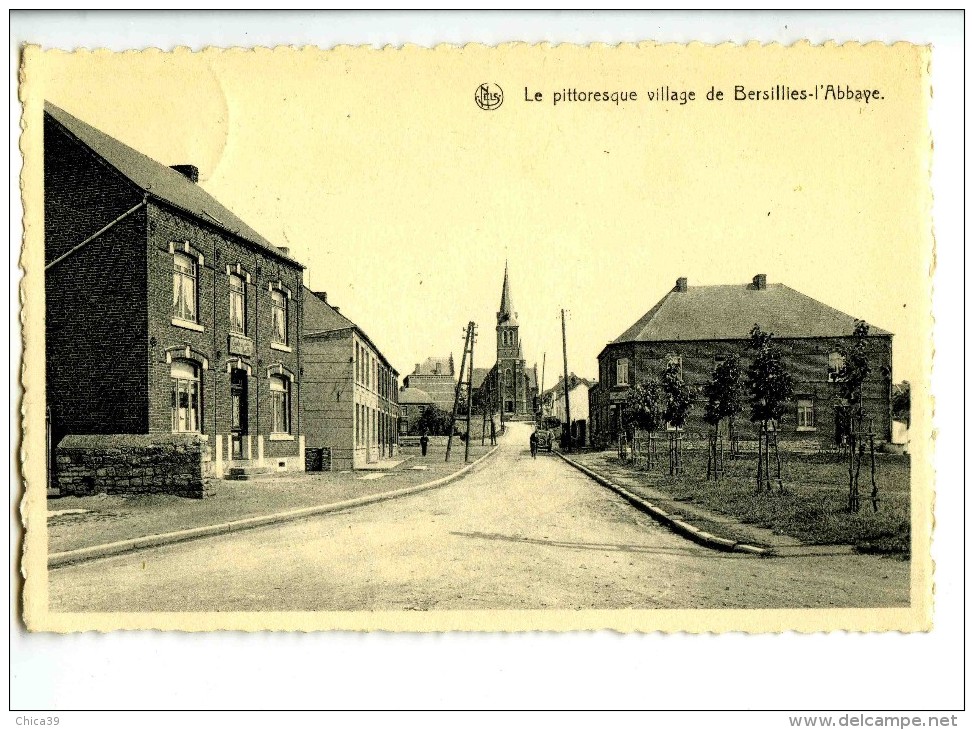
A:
(131, 463)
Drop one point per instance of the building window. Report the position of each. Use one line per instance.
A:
(280, 404)
(622, 371)
(806, 414)
(238, 304)
(278, 317)
(185, 384)
(184, 287)
(836, 363)
(508, 376)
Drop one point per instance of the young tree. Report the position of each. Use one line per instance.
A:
(434, 421)
(770, 387)
(852, 376)
(678, 400)
(643, 409)
(725, 399)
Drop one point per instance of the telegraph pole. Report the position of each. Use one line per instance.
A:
(568, 409)
(544, 357)
(467, 346)
(471, 338)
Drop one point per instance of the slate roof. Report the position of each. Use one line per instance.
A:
(320, 318)
(506, 313)
(161, 182)
(560, 388)
(431, 364)
(479, 374)
(414, 396)
(730, 311)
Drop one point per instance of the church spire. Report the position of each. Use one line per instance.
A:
(506, 313)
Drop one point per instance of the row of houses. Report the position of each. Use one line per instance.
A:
(171, 324)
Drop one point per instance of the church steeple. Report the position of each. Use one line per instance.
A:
(506, 313)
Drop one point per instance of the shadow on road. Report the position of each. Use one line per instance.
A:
(603, 547)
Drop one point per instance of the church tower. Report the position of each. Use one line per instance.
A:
(510, 364)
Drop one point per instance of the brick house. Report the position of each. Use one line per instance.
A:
(350, 406)
(436, 377)
(696, 327)
(166, 314)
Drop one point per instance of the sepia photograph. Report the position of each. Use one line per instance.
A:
(516, 337)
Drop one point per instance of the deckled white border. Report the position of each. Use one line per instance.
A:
(574, 670)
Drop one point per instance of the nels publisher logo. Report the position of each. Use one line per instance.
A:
(489, 96)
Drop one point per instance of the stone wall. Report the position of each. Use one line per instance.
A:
(133, 464)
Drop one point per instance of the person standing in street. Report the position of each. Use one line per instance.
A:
(534, 444)
(424, 442)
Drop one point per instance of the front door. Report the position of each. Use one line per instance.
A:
(238, 412)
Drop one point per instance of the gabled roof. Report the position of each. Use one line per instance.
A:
(161, 182)
(727, 312)
(322, 319)
(573, 382)
(320, 316)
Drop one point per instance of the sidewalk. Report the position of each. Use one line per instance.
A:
(707, 526)
(83, 523)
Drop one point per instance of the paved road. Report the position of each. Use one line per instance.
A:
(516, 533)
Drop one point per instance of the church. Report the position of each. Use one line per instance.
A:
(510, 386)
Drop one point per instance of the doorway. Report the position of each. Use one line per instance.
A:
(238, 412)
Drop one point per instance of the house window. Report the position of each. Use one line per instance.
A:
(238, 305)
(280, 404)
(836, 363)
(185, 386)
(622, 371)
(278, 317)
(806, 414)
(184, 289)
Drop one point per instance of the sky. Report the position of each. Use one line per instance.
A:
(404, 199)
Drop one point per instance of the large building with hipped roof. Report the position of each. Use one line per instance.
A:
(168, 318)
(698, 326)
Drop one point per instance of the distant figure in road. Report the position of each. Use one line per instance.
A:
(493, 432)
(424, 442)
(534, 444)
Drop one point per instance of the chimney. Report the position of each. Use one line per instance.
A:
(335, 308)
(760, 282)
(681, 284)
(190, 172)
(322, 295)
(284, 250)
(416, 371)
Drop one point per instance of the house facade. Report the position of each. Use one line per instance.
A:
(351, 406)
(553, 402)
(696, 327)
(413, 403)
(436, 377)
(165, 313)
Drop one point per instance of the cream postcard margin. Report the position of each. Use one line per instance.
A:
(538, 81)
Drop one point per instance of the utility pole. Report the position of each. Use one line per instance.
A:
(544, 357)
(471, 338)
(568, 410)
(467, 346)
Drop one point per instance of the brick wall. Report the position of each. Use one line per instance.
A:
(328, 406)
(220, 250)
(127, 463)
(805, 358)
(96, 316)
